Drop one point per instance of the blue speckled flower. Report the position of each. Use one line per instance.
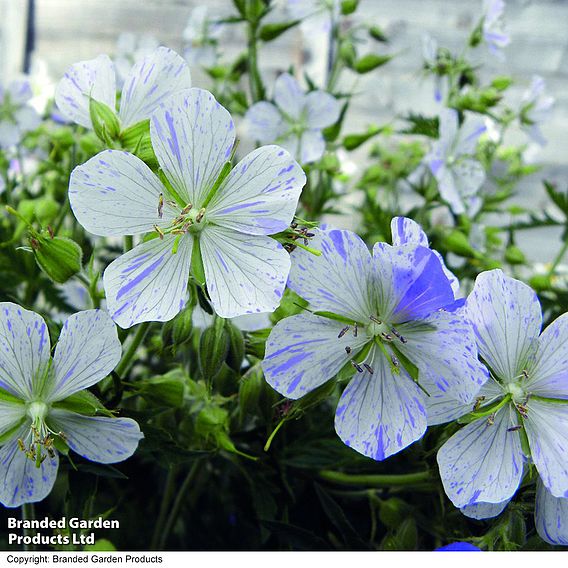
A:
(482, 465)
(452, 162)
(37, 394)
(536, 108)
(16, 116)
(204, 211)
(296, 119)
(383, 314)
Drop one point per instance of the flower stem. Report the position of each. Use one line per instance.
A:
(375, 480)
(189, 478)
(128, 243)
(28, 514)
(558, 258)
(164, 506)
(256, 86)
(126, 360)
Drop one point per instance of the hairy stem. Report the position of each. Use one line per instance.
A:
(375, 480)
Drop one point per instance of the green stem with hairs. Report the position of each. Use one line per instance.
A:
(128, 356)
(28, 514)
(375, 480)
(164, 506)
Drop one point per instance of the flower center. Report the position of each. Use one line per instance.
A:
(383, 330)
(39, 442)
(517, 392)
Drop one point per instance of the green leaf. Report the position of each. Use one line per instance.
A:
(352, 141)
(269, 32)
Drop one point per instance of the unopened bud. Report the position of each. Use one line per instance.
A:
(58, 257)
(213, 349)
(105, 122)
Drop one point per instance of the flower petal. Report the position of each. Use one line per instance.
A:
(551, 516)
(548, 375)
(192, 136)
(261, 193)
(87, 351)
(443, 408)
(339, 280)
(264, 122)
(116, 193)
(150, 81)
(507, 318)
(483, 462)
(410, 282)
(245, 274)
(484, 510)
(149, 282)
(443, 348)
(24, 350)
(304, 351)
(405, 230)
(322, 109)
(546, 426)
(94, 78)
(12, 412)
(382, 413)
(20, 480)
(102, 440)
(311, 146)
(289, 96)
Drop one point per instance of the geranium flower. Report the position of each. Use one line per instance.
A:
(383, 314)
(482, 465)
(202, 211)
(17, 117)
(536, 108)
(494, 26)
(150, 81)
(37, 395)
(458, 173)
(295, 120)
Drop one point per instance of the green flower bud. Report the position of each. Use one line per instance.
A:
(540, 282)
(458, 243)
(136, 139)
(349, 6)
(178, 331)
(392, 512)
(369, 62)
(58, 257)
(514, 255)
(165, 390)
(213, 349)
(105, 122)
(376, 33)
(502, 82)
(236, 353)
(250, 389)
(347, 53)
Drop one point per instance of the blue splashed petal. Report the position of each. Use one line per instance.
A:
(99, 439)
(382, 413)
(304, 351)
(551, 516)
(149, 282)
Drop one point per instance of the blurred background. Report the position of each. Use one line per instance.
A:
(45, 36)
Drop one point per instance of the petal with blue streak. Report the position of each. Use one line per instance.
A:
(338, 281)
(95, 79)
(264, 122)
(551, 516)
(115, 193)
(99, 439)
(149, 282)
(261, 194)
(245, 274)
(20, 480)
(546, 425)
(289, 96)
(507, 318)
(304, 351)
(24, 350)
(382, 413)
(548, 374)
(443, 348)
(405, 230)
(410, 282)
(192, 136)
(483, 462)
(77, 363)
(482, 511)
(152, 80)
